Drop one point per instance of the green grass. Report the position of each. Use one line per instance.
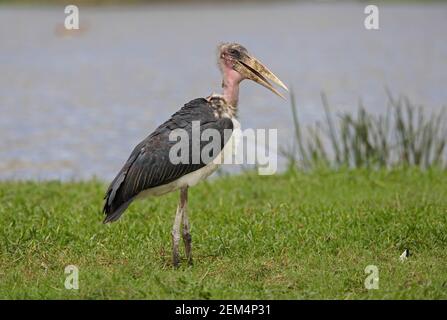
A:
(291, 236)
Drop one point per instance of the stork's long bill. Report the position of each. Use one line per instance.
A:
(254, 70)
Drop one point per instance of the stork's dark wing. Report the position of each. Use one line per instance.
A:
(149, 165)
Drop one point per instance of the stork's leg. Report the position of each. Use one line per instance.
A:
(176, 233)
(186, 234)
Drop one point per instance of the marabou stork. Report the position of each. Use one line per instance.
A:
(149, 171)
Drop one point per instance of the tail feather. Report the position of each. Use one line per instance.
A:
(115, 205)
(113, 215)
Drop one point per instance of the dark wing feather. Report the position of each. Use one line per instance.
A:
(149, 166)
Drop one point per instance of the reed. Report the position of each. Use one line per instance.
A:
(406, 135)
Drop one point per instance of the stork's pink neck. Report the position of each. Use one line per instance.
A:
(230, 86)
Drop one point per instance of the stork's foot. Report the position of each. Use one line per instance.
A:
(176, 260)
(188, 250)
(175, 253)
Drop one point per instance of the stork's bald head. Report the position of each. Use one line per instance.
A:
(236, 63)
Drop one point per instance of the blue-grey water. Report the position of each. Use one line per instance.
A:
(73, 107)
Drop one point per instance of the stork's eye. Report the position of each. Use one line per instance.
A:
(232, 51)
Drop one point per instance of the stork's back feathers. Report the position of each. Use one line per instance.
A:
(149, 165)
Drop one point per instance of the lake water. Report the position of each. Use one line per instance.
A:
(73, 107)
